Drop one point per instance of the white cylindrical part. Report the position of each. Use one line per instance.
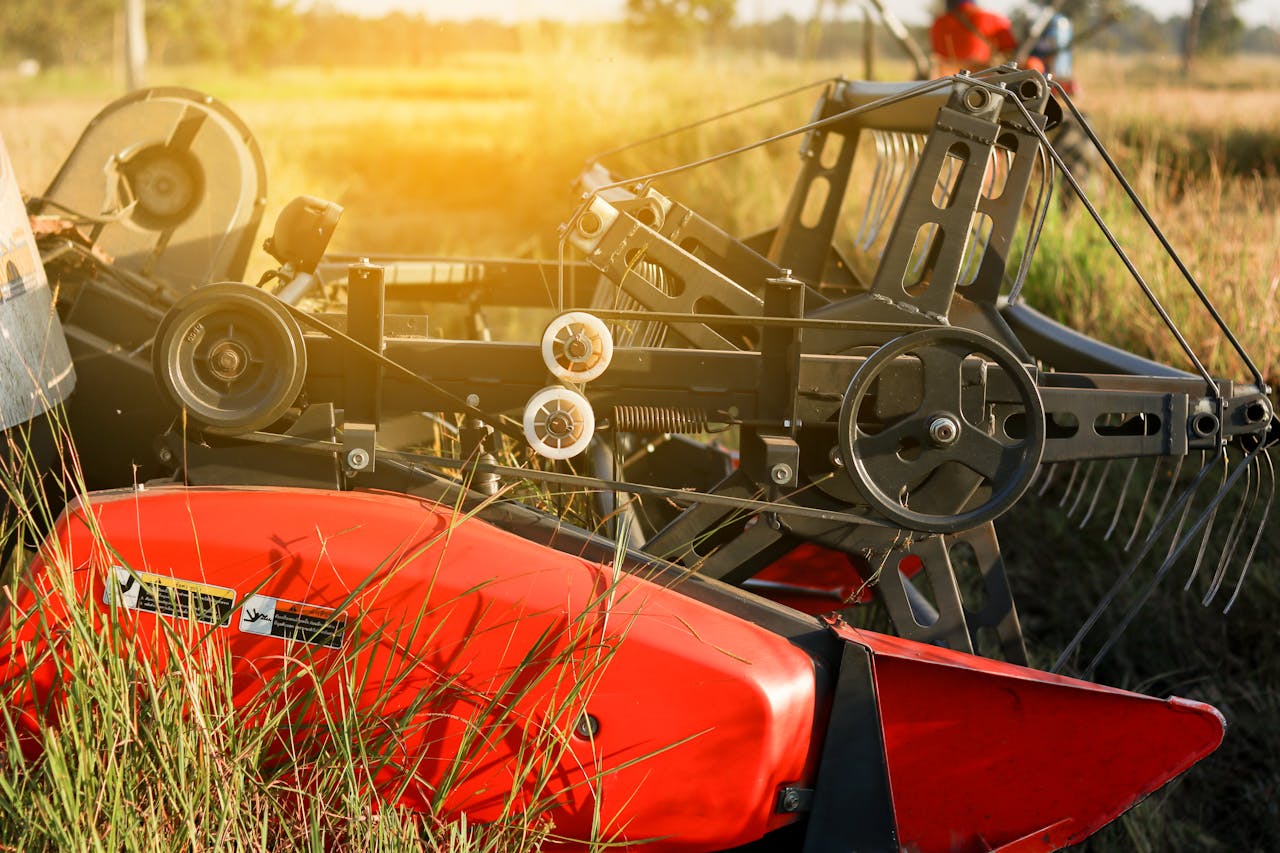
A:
(577, 347)
(558, 422)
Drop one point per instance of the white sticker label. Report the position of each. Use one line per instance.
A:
(292, 620)
(171, 597)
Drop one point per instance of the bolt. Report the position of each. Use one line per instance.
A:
(227, 360)
(357, 459)
(781, 473)
(578, 347)
(944, 430)
(587, 728)
(559, 425)
(835, 458)
(166, 455)
(790, 800)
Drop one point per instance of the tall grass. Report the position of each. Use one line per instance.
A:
(120, 732)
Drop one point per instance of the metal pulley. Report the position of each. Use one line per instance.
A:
(231, 356)
(913, 449)
(558, 422)
(163, 183)
(577, 347)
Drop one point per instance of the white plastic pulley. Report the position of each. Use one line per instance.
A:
(558, 422)
(577, 347)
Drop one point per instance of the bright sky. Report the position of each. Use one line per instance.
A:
(911, 11)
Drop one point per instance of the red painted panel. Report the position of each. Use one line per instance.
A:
(702, 716)
(814, 580)
(985, 755)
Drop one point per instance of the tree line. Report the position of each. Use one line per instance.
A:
(256, 33)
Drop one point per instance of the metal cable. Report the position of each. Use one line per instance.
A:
(711, 119)
(1159, 234)
(818, 124)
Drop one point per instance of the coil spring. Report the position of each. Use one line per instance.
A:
(659, 419)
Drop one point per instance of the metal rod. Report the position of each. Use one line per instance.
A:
(1164, 242)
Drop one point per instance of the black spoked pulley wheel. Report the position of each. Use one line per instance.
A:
(231, 356)
(936, 413)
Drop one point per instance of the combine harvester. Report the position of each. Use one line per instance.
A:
(692, 671)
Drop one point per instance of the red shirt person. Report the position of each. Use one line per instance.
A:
(968, 37)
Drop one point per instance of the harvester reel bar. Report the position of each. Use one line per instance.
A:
(231, 356)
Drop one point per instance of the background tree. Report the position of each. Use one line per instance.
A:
(678, 24)
(56, 32)
(1213, 27)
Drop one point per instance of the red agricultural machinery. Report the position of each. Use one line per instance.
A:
(775, 435)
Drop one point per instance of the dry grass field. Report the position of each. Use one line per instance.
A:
(478, 158)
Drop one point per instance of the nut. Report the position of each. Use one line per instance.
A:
(944, 430)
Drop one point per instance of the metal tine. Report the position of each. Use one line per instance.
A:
(1048, 478)
(908, 157)
(1071, 481)
(1262, 525)
(1035, 478)
(894, 158)
(930, 235)
(877, 179)
(1146, 498)
(877, 182)
(1097, 493)
(1222, 454)
(1124, 492)
(906, 154)
(1205, 515)
(1208, 528)
(1247, 502)
(1182, 520)
(887, 152)
(1178, 470)
(1127, 574)
(1084, 485)
(1173, 482)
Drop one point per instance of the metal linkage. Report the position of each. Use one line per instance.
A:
(903, 413)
